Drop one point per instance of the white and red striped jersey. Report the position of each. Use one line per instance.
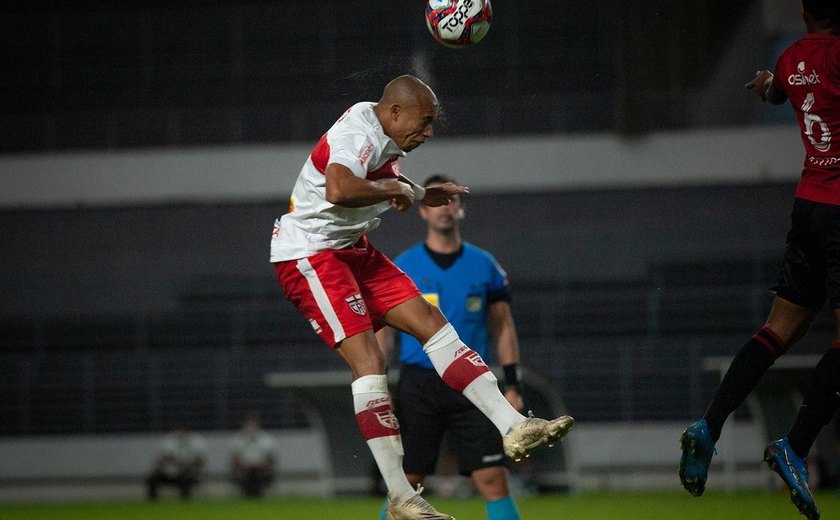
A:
(312, 224)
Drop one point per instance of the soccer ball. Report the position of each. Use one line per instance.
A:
(458, 23)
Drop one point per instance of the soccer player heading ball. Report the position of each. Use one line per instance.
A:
(347, 289)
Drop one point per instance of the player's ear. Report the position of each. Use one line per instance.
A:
(395, 111)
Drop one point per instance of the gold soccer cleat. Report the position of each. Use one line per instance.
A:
(413, 507)
(533, 432)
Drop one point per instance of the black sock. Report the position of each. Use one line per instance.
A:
(759, 353)
(822, 398)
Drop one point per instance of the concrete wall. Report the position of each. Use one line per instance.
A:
(71, 467)
(545, 162)
(604, 457)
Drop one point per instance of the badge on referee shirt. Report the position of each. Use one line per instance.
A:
(473, 303)
(432, 298)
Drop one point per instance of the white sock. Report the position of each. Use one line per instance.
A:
(462, 368)
(379, 427)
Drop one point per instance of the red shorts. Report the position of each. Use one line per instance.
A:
(343, 292)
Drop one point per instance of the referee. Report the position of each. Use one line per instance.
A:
(471, 289)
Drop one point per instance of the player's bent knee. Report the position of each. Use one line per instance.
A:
(417, 317)
(362, 354)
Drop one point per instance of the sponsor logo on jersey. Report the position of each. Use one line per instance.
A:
(276, 232)
(801, 78)
(357, 304)
(387, 419)
(364, 155)
(823, 161)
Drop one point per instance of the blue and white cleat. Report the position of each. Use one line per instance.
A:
(697, 450)
(794, 471)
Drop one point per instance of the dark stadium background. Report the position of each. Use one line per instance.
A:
(125, 318)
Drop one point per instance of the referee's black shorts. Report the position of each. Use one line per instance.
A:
(811, 269)
(426, 409)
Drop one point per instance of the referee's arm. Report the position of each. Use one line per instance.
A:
(503, 332)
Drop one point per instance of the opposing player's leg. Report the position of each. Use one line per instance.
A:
(788, 456)
(697, 450)
(786, 323)
(809, 269)
(462, 369)
(793, 469)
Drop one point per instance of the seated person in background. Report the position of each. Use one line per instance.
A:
(179, 462)
(252, 458)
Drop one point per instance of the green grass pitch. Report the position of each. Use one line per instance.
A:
(612, 506)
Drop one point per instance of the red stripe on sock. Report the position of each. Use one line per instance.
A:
(775, 337)
(767, 344)
(836, 344)
(378, 422)
(772, 341)
(464, 370)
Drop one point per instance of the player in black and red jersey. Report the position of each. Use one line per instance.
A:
(808, 75)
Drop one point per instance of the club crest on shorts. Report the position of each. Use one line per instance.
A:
(357, 304)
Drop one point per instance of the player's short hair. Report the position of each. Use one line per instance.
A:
(438, 178)
(823, 9)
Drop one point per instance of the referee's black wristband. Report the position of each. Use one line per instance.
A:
(512, 376)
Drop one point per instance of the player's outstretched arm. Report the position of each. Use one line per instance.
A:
(762, 84)
(345, 189)
(442, 194)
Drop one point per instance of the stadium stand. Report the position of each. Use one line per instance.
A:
(601, 342)
(184, 74)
